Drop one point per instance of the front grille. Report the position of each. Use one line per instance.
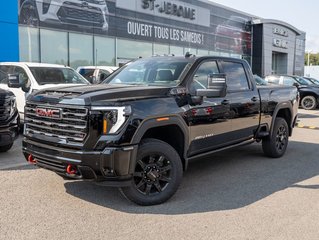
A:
(75, 13)
(5, 109)
(71, 124)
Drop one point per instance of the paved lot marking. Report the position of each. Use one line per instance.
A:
(307, 127)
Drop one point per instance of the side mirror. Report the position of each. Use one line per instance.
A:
(296, 84)
(14, 81)
(216, 86)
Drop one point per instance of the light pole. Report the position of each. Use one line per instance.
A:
(308, 64)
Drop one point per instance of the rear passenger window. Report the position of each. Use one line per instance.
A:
(236, 76)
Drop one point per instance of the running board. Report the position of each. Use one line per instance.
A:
(221, 149)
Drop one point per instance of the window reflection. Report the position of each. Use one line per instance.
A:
(54, 47)
(29, 44)
(104, 51)
(81, 50)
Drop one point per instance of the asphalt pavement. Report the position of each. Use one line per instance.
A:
(236, 194)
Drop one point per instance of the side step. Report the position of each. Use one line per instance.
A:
(222, 149)
(262, 134)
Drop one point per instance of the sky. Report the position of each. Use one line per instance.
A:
(303, 15)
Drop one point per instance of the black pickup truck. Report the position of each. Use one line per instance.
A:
(9, 120)
(139, 129)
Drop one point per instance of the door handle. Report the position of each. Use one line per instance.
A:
(254, 99)
(225, 102)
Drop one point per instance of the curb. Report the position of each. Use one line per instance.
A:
(298, 125)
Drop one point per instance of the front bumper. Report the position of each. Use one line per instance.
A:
(10, 131)
(111, 167)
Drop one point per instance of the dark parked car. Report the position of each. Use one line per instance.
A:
(313, 80)
(9, 120)
(309, 92)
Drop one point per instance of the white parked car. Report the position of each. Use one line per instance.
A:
(88, 13)
(31, 77)
(96, 74)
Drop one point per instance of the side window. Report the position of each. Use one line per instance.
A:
(288, 81)
(3, 78)
(103, 74)
(236, 76)
(201, 74)
(23, 78)
(4, 71)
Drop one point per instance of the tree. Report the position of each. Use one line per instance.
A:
(313, 59)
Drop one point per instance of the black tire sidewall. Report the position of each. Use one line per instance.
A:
(6, 147)
(154, 146)
(269, 144)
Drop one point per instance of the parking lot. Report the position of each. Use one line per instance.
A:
(237, 194)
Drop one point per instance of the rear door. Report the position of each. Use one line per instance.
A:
(244, 98)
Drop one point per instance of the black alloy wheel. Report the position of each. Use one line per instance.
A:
(152, 174)
(276, 144)
(158, 173)
(281, 138)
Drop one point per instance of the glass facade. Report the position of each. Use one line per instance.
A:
(80, 50)
(118, 31)
(29, 44)
(54, 47)
(112, 32)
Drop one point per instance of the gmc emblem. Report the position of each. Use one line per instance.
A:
(49, 113)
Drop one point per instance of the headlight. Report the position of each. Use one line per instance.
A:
(13, 105)
(113, 118)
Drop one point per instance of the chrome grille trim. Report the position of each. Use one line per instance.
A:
(71, 127)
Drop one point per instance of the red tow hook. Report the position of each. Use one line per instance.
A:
(31, 159)
(71, 169)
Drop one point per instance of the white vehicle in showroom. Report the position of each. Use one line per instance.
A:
(23, 78)
(96, 74)
(81, 13)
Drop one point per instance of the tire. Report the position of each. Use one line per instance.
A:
(29, 15)
(157, 175)
(275, 145)
(6, 147)
(309, 102)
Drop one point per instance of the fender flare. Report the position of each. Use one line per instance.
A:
(150, 123)
(280, 106)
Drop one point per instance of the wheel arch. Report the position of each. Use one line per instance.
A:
(283, 110)
(170, 129)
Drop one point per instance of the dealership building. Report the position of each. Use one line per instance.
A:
(110, 32)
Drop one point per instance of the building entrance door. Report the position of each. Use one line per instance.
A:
(279, 63)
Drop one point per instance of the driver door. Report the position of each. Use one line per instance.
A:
(210, 120)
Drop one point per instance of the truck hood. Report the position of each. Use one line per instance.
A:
(96, 95)
(46, 86)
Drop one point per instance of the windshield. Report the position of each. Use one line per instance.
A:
(150, 72)
(303, 81)
(54, 75)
